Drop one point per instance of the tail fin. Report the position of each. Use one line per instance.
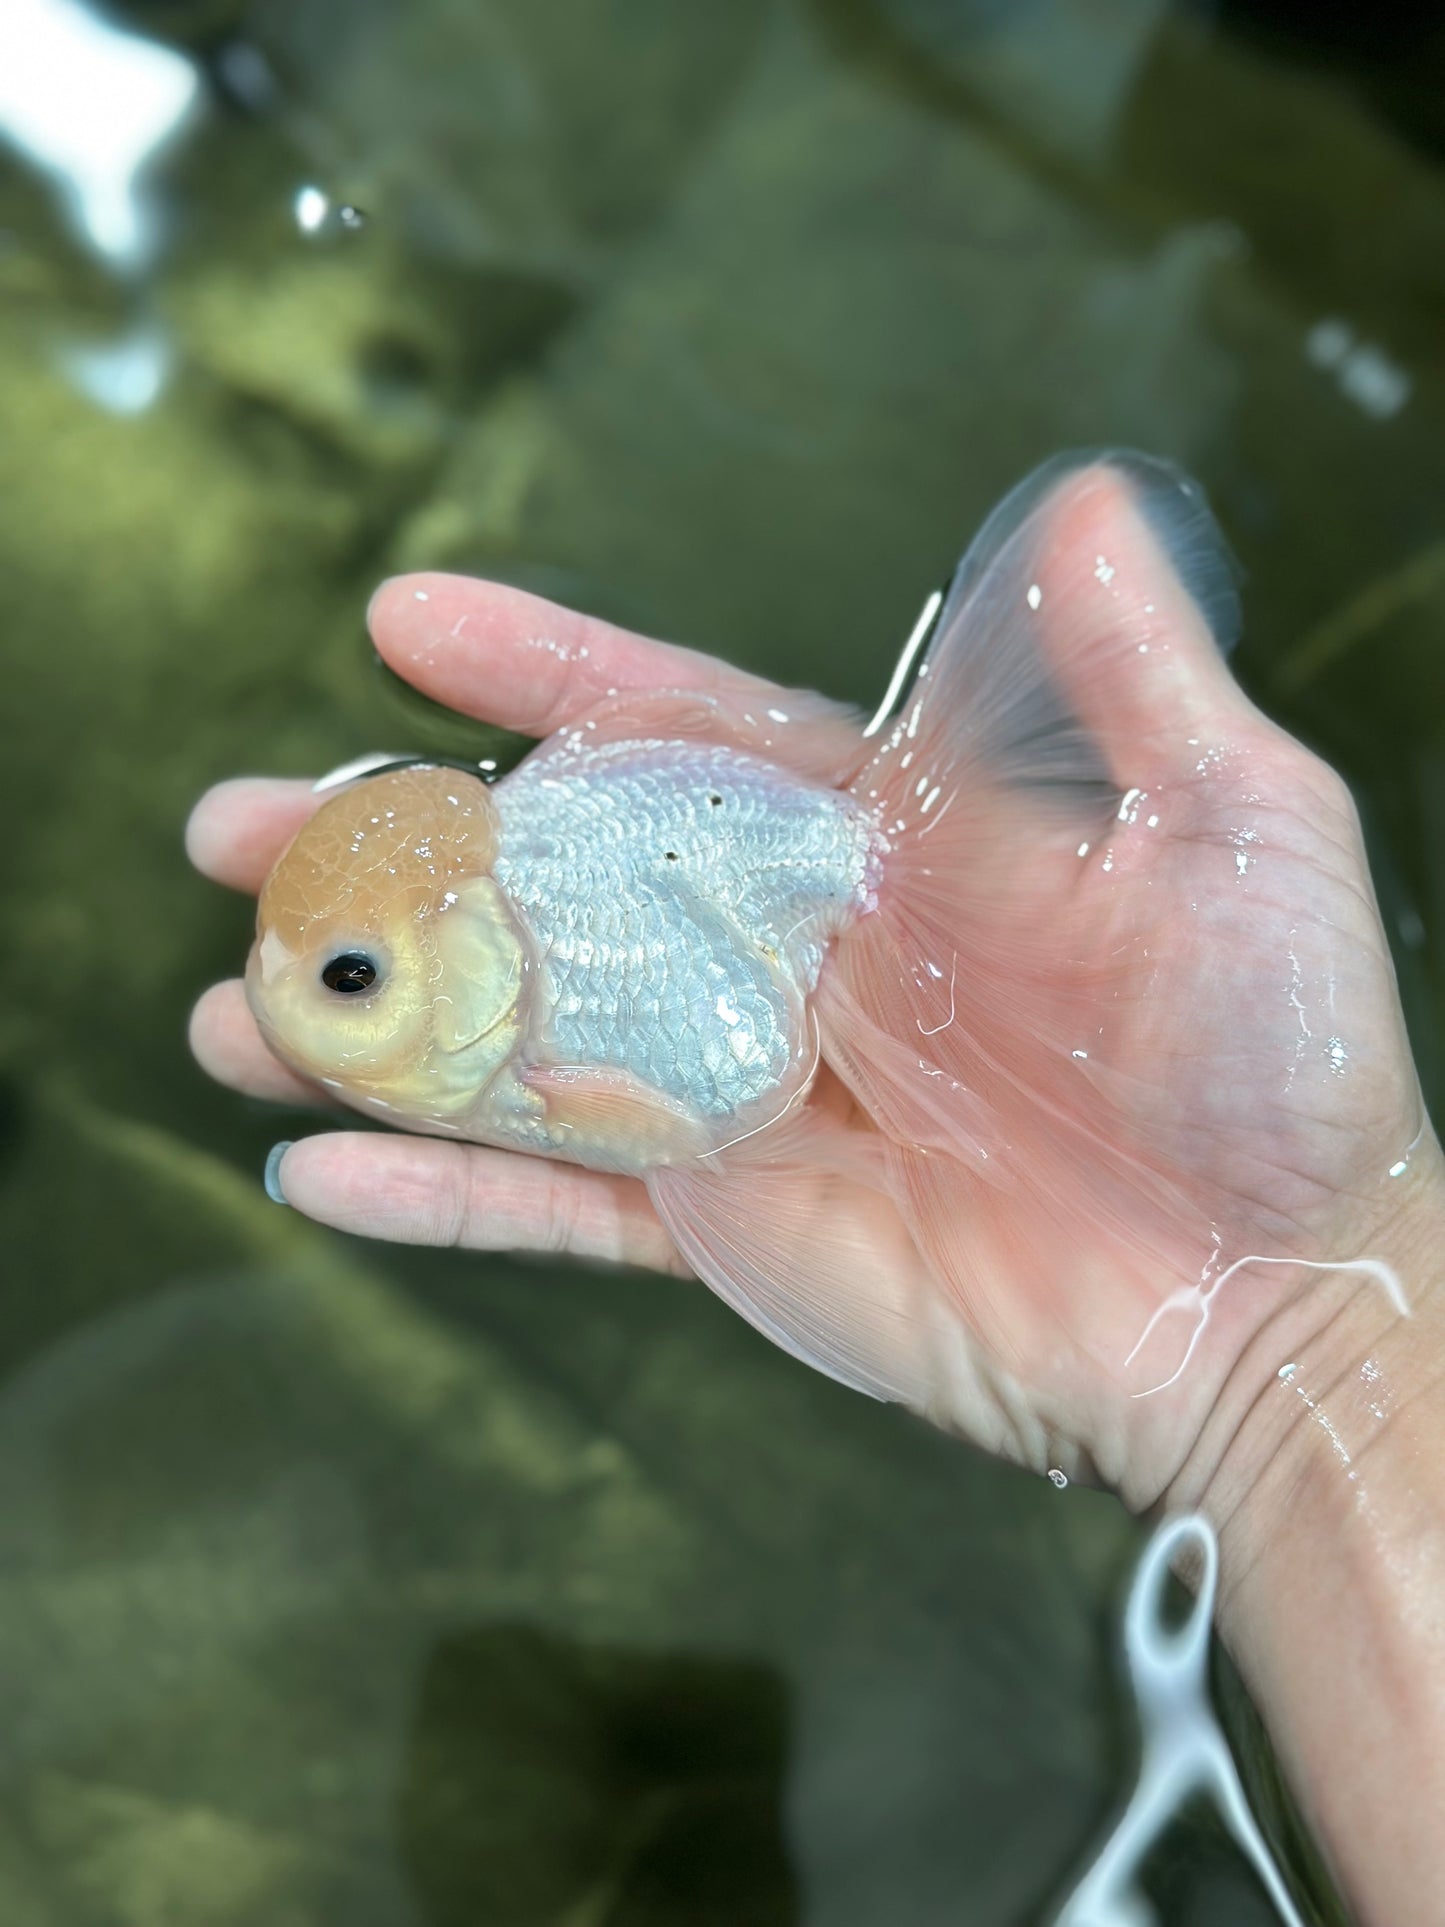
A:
(964, 1014)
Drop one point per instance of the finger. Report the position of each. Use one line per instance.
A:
(529, 665)
(1137, 606)
(239, 828)
(414, 1190)
(227, 1045)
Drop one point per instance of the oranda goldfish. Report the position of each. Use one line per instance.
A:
(691, 941)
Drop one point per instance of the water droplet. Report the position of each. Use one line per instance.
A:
(1035, 595)
(310, 207)
(1057, 1478)
(317, 215)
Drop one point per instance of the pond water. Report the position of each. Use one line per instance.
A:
(421, 1590)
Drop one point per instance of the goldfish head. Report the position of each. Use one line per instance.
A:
(388, 963)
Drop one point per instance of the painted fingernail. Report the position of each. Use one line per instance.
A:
(273, 1170)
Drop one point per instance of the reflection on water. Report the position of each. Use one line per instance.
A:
(1183, 1752)
(90, 106)
(123, 376)
(728, 323)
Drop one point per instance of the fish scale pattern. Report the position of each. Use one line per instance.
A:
(680, 897)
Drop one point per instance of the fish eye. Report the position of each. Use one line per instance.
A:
(349, 973)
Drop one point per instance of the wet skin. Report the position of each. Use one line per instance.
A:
(1264, 1047)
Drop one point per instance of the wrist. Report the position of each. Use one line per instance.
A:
(1330, 1512)
(1328, 1377)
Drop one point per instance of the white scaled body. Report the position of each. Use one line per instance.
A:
(679, 899)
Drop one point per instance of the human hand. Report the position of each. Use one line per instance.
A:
(1250, 1037)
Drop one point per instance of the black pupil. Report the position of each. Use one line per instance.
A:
(349, 973)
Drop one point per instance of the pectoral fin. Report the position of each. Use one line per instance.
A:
(613, 1121)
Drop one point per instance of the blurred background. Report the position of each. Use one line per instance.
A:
(342, 1583)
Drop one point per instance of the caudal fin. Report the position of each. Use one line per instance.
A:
(966, 1014)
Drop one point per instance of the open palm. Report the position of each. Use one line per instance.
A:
(1167, 1040)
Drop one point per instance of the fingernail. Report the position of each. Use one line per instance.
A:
(273, 1170)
